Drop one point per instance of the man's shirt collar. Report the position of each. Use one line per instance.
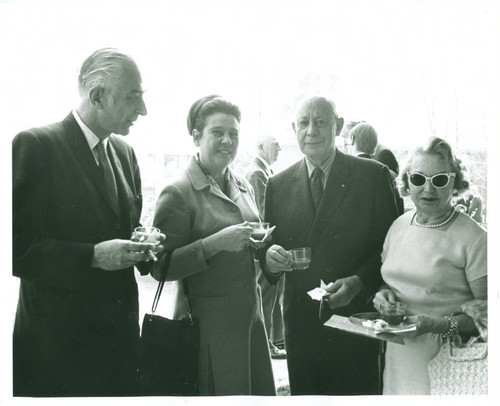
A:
(91, 138)
(325, 166)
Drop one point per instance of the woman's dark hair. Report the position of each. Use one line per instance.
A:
(205, 107)
(439, 147)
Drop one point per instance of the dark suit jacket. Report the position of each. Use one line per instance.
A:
(386, 157)
(364, 155)
(258, 175)
(345, 236)
(74, 324)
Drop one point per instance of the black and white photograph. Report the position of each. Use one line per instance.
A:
(250, 202)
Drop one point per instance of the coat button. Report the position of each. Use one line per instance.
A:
(337, 237)
(329, 269)
(194, 252)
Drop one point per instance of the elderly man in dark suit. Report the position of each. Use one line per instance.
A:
(76, 200)
(258, 174)
(341, 207)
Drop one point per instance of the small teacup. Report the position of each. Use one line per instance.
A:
(259, 230)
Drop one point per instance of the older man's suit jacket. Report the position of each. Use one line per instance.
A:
(76, 326)
(346, 237)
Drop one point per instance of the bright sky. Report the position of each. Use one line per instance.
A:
(407, 67)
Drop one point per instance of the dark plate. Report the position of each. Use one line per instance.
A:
(359, 318)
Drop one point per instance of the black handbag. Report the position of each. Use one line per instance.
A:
(169, 350)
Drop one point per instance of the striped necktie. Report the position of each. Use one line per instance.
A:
(109, 176)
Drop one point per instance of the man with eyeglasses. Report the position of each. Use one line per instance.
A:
(341, 207)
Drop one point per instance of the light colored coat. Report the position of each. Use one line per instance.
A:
(234, 355)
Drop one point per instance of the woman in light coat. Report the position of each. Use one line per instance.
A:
(204, 215)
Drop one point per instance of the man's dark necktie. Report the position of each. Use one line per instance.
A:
(109, 176)
(317, 186)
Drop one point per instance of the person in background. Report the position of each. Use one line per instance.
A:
(341, 207)
(386, 156)
(364, 140)
(205, 215)
(258, 174)
(435, 261)
(344, 135)
(471, 203)
(76, 200)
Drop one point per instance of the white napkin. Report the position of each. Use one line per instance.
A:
(318, 293)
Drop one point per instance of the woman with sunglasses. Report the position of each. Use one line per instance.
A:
(434, 260)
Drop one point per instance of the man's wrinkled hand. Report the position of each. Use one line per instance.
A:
(114, 255)
(341, 292)
(278, 259)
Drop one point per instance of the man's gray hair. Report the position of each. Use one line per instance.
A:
(315, 99)
(99, 67)
(261, 140)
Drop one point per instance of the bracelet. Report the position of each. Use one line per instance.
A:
(452, 330)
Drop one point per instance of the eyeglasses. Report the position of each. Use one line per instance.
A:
(439, 180)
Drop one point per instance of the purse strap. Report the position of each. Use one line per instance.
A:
(161, 283)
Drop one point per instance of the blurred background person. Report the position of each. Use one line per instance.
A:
(434, 260)
(204, 214)
(384, 155)
(470, 202)
(258, 174)
(344, 134)
(364, 141)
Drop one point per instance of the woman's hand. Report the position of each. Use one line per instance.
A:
(384, 296)
(261, 244)
(231, 239)
(426, 324)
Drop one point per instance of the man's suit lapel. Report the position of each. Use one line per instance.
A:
(85, 157)
(338, 183)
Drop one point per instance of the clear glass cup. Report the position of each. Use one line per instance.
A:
(259, 230)
(301, 258)
(150, 235)
(393, 314)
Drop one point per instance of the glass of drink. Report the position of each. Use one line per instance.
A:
(393, 314)
(259, 230)
(301, 258)
(150, 235)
